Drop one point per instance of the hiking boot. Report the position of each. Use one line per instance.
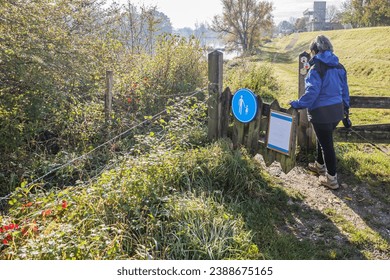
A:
(318, 168)
(330, 182)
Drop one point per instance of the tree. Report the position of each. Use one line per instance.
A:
(377, 13)
(332, 14)
(365, 13)
(285, 27)
(139, 28)
(242, 22)
(300, 24)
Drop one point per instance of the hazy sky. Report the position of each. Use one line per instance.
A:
(185, 13)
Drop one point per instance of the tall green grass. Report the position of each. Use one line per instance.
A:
(205, 203)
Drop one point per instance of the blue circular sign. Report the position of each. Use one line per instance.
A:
(244, 105)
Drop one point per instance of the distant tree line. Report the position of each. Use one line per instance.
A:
(366, 13)
(357, 13)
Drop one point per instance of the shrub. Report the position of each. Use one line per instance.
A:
(53, 74)
(257, 77)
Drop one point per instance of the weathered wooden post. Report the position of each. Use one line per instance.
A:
(306, 134)
(224, 113)
(215, 68)
(288, 162)
(254, 129)
(270, 155)
(108, 96)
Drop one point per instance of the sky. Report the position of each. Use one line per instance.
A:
(186, 13)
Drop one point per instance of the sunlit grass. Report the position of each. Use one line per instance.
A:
(362, 238)
(365, 163)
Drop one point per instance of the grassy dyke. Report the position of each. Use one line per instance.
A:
(364, 52)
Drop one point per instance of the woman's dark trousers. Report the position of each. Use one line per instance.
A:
(325, 145)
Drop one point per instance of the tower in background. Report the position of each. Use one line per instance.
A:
(315, 18)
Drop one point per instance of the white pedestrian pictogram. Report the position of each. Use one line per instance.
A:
(241, 104)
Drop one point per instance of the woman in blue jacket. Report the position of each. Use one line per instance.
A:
(327, 100)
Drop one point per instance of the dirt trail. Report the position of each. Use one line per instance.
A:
(353, 202)
(292, 42)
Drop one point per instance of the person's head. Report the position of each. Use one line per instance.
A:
(320, 44)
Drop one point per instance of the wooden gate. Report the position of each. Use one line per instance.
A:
(253, 135)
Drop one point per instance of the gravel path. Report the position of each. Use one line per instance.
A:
(353, 203)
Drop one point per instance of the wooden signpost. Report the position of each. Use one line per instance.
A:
(306, 134)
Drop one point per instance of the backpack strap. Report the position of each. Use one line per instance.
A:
(321, 67)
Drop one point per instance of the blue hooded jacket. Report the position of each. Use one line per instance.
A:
(326, 91)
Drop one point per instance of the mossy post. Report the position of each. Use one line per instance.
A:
(306, 134)
(215, 69)
(108, 96)
(254, 129)
(224, 113)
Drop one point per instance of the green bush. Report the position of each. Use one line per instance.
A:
(53, 64)
(259, 78)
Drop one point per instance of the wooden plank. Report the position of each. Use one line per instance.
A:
(306, 135)
(250, 135)
(254, 129)
(377, 102)
(212, 112)
(290, 161)
(238, 134)
(225, 102)
(266, 109)
(215, 68)
(377, 133)
(269, 155)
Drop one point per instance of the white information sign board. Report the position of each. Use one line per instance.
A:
(279, 132)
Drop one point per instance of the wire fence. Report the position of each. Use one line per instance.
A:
(111, 141)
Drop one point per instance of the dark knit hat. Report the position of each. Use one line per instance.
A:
(321, 44)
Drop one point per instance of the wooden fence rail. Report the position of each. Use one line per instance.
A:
(378, 133)
(377, 102)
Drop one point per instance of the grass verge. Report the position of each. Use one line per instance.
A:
(203, 203)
